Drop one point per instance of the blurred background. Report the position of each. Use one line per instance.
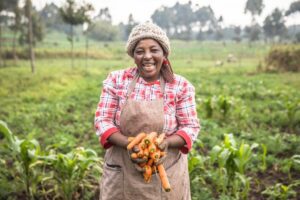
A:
(242, 56)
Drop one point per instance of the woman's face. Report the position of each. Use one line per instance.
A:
(148, 56)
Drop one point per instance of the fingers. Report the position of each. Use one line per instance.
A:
(161, 160)
(136, 149)
(139, 160)
(139, 168)
(163, 146)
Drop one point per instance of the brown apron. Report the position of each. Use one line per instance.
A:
(120, 180)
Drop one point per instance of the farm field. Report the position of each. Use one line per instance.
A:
(248, 147)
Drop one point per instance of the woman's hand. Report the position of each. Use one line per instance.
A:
(174, 141)
(119, 140)
(133, 154)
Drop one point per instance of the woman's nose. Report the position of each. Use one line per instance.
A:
(147, 55)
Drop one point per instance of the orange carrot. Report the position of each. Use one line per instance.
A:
(152, 148)
(141, 151)
(140, 154)
(148, 173)
(155, 155)
(163, 177)
(142, 164)
(150, 137)
(130, 139)
(146, 152)
(163, 153)
(150, 161)
(159, 139)
(134, 156)
(136, 140)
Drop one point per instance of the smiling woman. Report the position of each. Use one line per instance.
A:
(149, 56)
(146, 98)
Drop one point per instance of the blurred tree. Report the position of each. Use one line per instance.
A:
(164, 17)
(129, 26)
(28, 14)
(37, 29)
(237, 32)
(51, 17)
(73, 15)
(16, 27)
(103, 31)
(255, 7)
(104, 15)
(294, 8)
(274, 25)
(253, 32)
(5, 5)
(218, 33)
(184, 17)
(204, 16)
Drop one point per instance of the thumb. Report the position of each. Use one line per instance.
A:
(163, 145)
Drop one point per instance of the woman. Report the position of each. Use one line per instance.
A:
(146, 98)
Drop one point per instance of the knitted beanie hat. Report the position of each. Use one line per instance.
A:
(147, 30)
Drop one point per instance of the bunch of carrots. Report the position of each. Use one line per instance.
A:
(149, 150)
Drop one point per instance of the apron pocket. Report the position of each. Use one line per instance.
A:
(113, 167)
(111, 187)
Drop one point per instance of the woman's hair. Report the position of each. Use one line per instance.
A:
(167, 71)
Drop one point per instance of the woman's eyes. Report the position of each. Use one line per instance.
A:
(139, 52)
(154, 50)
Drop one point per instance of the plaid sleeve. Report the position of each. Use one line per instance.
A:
(186, 114)
(106, 110)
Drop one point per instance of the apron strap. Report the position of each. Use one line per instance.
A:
(133, 83)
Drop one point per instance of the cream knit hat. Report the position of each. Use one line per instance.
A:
(147, 30)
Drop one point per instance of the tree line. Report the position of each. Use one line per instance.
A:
(185, 21)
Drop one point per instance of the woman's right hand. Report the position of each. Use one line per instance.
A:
(119, 140)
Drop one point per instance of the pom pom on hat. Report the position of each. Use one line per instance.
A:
(147, 30)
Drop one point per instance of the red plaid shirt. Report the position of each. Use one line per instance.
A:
(179, 105)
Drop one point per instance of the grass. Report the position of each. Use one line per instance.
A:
(57, 104)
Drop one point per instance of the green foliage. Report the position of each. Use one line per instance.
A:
(56, 107)
(294, 8)
(75, 172)
(103, 31)
(255, 7)
(25, 153)
(232, 161)
(281, 191)
(71, 172)
(274, 24)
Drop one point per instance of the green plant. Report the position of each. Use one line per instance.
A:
(25, 154)
(294, 161)
(232, 161)
(263, 158)
(73, 171)
(225, 103)
(281, 191)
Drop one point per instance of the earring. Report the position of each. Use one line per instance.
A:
(165, 62)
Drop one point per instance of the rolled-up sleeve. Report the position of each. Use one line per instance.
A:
(186, 116)
(106, 110)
